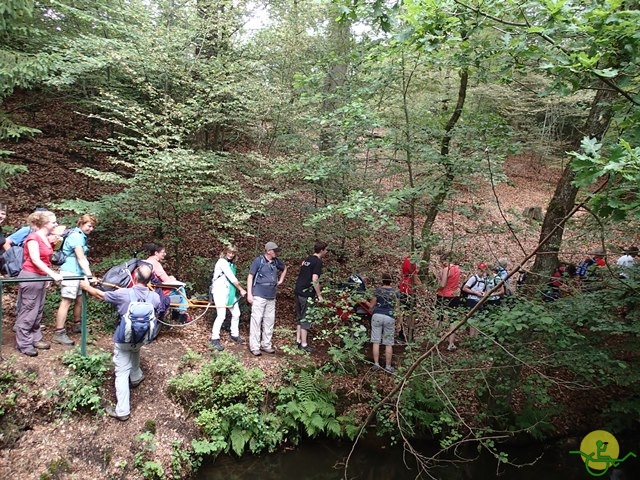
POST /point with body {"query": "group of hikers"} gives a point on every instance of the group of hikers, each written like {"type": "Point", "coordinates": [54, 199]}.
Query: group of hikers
{"type": "Point", "coordinates": [139, 306]}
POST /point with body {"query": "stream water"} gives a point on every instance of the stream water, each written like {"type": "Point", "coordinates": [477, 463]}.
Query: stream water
{"type": "Point", "coordinates": [324, 461]}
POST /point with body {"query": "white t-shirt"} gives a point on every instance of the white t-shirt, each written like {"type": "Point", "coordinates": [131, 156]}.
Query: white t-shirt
{"type": "Point", "coordinates": [625, 261]}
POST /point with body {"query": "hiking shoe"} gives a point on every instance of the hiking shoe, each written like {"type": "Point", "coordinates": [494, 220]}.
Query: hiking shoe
{"type": "Point", "coordinates": [376, 366]}
{"type": "Point", "coordinates": [137, 382]}
{"type": "Point", "coordinates": [256, 353]}
{"type": "Point", "coordinates": [451, 347]}
{"type": "Point", "coordinates": [111, 411]}
{"type": "Point", "coordinates": [216, 345]}
{"type": "Point", "coordinates": [268, 349]}
{"type": "Point", "coordinates": [389, 369]}
{"type": "Point", "coordinates": [184, 318]}
{"type": "Point", "coordinates": [42, 345]}
{"type": "Point", "coordinates": [31, 352]}
{"type": "Point", "coordinates": [62, 338]}
{"type": "Point", "coordinates": [306, 348]}
{"type": "Point", "coordinates": [77, 328]}
{"type": "Point", "coordinates": [239, 340]}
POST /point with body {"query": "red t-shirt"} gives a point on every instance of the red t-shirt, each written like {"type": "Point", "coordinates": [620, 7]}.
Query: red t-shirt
{"type": "Point", "coordinates": [453, 282]}
{"type": "Point", "coordinates": [46, 250]}
{"type": "Point", "coordinates": [408, 271]}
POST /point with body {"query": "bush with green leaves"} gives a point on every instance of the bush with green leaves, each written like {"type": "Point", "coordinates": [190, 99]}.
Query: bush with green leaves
{"type": "Point", "coordinates": [81, 389]}
{"type": "Point", "coordinates": [237, 413]}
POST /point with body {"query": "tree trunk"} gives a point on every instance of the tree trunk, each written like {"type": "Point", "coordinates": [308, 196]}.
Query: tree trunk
{"type": "Point", "coordinates": [564, 196]}
{"type": "Point", "coordinates": [447, 181]}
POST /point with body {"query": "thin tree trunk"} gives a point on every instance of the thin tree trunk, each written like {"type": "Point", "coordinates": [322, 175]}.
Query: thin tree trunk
{"type": "Point", "coordinates": [447, 180]}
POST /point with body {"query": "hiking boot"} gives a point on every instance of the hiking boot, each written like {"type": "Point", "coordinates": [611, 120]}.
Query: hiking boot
{"type": "Point", "coordinates": [31, 352]}
{"type": "Point", "coordinates": [239, 340]}
{"type": "Point", "coordinates": [42, 345]}
{"type": "Point", "coordinates": [268, 349]}
{"type": "Point", "coordinates": [111, 411]}
{"type": "Point", "coordinates": [306, 348]}
{"type": "Point", "coordinates": [184, 318]}
{"type": "Point", "coordinates": [137, 382]}
{"type": "Point", "coordinates": [389, 369]}
{"type": "Point", "coordinates": [216, 345]}
{"type": "Point", "coordinates": [62, 338]}
{"type": "Point", "coordinates": [77, 328]}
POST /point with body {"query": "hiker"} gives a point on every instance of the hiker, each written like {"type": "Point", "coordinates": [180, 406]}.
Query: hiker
{"type": "Point", "coordinates": [307, 289]}
{"type": "Point", "coordinates": [75, 248]}
{"type": "Point", "coordinates": [590, 270]}
{"type": "Point", "coordinates": [224, 290]}
{"type": "Point", "coordinates": [627, 260]}
{"type": "Point", "coordinates": [447, 297]}
{"type": "Point", "coordinates": [37, 263]}
{"type": "Point", "coordinates": [266, 272]}
{"type": "Point", "coordinates": [493, 279]}
{"type": "Point", "coordinates": [408, 281]}
{"type": "Point", "coordinates": [383, 322]}
{"type": "Point", "coordinates": [475, 287]}
{"type": "Point", "coordinates": [178, 294]}
{"type": "Point", "coordinates": [503, 273]}
{"type": "Point", "coordinates": [126, 350]}
{"type": "Point", "coordinates": [18, 237]}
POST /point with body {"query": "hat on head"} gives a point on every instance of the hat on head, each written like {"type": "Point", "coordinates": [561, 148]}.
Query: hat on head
{"type": "Point", "coordinates": [482, 266]}
{"type": "Point", "coordinates": [271, 246]}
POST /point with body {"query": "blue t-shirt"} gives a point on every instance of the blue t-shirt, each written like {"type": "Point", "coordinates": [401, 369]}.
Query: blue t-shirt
{"type": "Point", "coordinates": [18, 237]}
{"type": "Point", "coordinates": [265, 276]}
{"type": "Point", "coordinates": [76, 238]}
{"type": "Point", "coordinates": [386, 299]}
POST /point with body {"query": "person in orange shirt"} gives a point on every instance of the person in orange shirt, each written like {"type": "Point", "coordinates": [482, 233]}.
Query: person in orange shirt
{"type": "Point", "coordinates": [447, 296]}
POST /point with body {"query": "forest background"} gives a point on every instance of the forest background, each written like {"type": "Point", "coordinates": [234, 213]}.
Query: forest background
{"type": "Point", "coordinates": [384, 128]}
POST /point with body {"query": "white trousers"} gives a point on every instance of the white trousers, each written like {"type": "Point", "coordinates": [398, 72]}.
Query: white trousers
{"type": "Point", "coordinates": [263, 318]}
{"type": "Point", "coordinates": [220, 298]}
{"type": "Point", "coordinates": [126, 359]}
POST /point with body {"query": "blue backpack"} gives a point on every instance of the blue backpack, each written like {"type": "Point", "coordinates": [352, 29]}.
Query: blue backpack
{"type": "Point", "coordinates": [140, 322]}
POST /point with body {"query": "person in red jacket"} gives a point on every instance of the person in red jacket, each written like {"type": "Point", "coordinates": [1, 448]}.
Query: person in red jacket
{"type": "Point", "coordinates": [408, 281]}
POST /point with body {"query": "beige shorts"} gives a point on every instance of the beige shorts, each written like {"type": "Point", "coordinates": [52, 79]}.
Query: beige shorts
{"type": "Point", "coordinates": [70, 288]}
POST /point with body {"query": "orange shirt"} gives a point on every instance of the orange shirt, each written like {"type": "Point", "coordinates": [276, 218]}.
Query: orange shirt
{"type": "Point", "coordinates": [453, 282]}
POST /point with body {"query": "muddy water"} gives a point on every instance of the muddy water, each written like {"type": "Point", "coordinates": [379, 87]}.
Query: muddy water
{"type": "Point", "coordinates": [324, 461]}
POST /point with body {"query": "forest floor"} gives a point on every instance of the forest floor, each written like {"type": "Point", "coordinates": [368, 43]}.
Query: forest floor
{"type": "Point", "coordinates": [96, 446]}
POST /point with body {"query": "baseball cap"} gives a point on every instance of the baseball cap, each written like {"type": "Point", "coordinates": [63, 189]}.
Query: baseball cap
{"type": "Point", "coordinates": [482, 266]}
{"type": "Point", "coordinates": [271, 246]}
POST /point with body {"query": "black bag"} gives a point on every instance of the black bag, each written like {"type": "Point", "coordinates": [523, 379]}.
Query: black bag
{"type": "Point", "coordinates": [121, 276]}
{"type": "Point", "coordinates": [59, 257]}
{"type": "Point", "coordinates": [13, 260]}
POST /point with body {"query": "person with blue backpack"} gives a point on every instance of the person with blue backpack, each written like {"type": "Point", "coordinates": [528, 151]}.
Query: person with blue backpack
{"type": "Point", "coordinates": [266, 272]}
{"type": "Point", "coordinates": [74, 247]}
{"type": "Point", "coordinates": [137, 326]}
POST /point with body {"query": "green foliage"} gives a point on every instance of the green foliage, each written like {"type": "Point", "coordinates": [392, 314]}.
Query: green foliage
{"type": "Point", "coordinates": [56, 469]}
{"type": "Point", "coordinates": [236, 413]}
{"type": "Point", "coordinates": [620, 165]}
{"type": "Point", "coordinates": [148, 468]}
{"type": "Point", "coordinates": [81, 389]}
{"type": "Point", "coordinates": [346, 338]}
